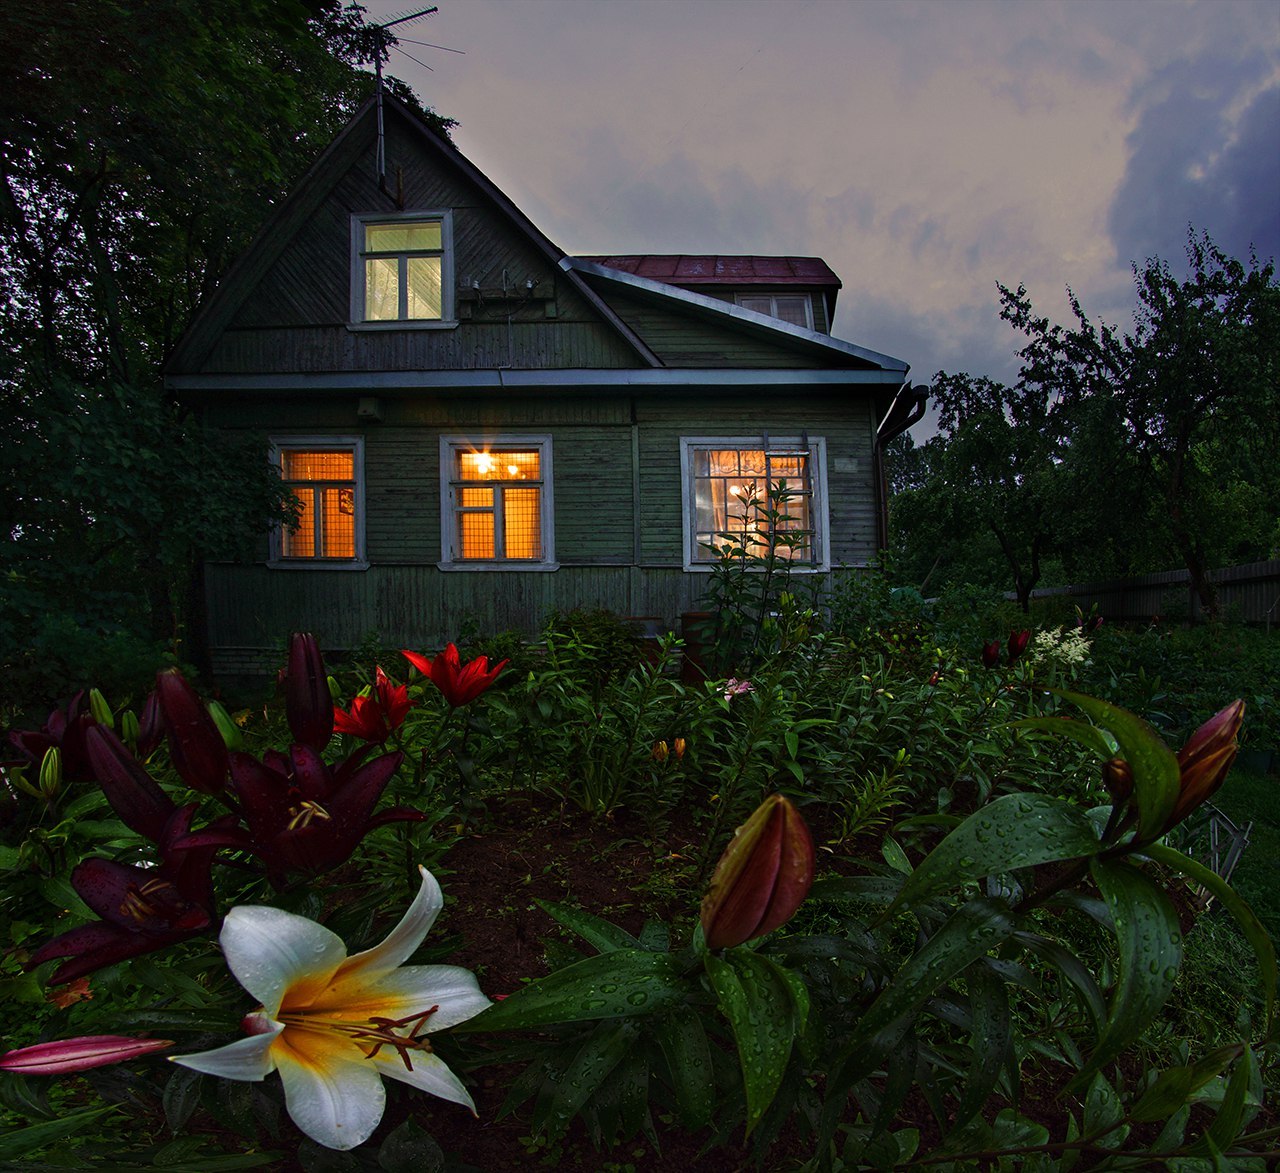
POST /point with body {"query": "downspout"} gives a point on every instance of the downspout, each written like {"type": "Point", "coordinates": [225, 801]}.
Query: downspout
{"type": "Point", "coordinates": [906, 410]}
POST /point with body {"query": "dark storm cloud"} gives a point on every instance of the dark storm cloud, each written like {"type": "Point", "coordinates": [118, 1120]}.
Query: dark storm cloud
{"type": "Point", "coordinates": [1205, 152]}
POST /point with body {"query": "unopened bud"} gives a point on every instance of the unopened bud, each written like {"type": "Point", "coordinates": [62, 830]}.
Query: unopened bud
{"type": "Point", "coordinates": [50, 781]}
{"type": "Point", "coordinates": [100, 709]}
{"type": "Point", "coordinates": [308, 698]}
{"type": "Point", "coordinates": [70, 1055]}
{"type": "Point", "coordinates": [129, 729]}
{"type": "Point", "coordinates": [1117, 777]}
{"type": "Point", "coordinates": [677, 747]}
{"type": "Point", "coordinates": [231, 735]}
{"type": "Point", "coordinates": [660, 751]}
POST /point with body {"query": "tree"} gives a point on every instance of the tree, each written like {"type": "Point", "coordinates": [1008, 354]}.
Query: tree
{"type": "Point", "coordinates": [1181, 416]}
{"type": "Point", "coordinates": [142, 142]}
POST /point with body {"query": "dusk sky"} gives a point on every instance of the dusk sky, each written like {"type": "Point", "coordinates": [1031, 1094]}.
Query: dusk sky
{"type": "Point", "coordinates": [926, 149]}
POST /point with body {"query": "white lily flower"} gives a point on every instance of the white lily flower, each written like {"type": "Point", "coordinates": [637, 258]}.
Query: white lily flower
{"type": "Point", "coordinates": [334, 1025]}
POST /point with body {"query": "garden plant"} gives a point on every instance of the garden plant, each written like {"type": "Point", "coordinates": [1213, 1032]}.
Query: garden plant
{"type": "Point", "coordinates": [910, 899]}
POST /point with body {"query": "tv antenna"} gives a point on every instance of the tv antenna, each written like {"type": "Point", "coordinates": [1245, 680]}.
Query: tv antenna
{"type": "Point", "coordinates": [382, 41]}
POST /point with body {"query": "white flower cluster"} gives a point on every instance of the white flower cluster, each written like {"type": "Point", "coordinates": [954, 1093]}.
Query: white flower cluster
{"type": "Point", "coordinates": [1067, 650]}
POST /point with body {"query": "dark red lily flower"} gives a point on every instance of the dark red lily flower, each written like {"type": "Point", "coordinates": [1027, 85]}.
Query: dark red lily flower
{"type": "Point", "coordinates": [196, 747]}
{"type": "Point", "coordinates": [991, 654]}
{"type": "Point", "coordinates": [1018, 641]}
{"type": "Point", "coordinates": [373, 718]}
{"type": "Point", "coordinates": [134, 795]}
{"type": "Point", "coordinates": [459, 683]}
{"type": "Point", "coordinates": [307, 702]}
{"type": "Point", "coordinates": [305, 816]}
{"type": "Point", "coordinates": [64, 730]}
{"type": "Point", "coordinates": [143, 909]}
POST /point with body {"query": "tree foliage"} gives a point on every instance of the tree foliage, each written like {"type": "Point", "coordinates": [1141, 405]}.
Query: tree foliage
{"type": "Point", "coordinates": [142, 142]}
{"type": "Point", "coordinates": [1115, 453]}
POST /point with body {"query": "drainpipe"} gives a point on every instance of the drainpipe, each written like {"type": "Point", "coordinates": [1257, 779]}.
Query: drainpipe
{"type": "Point", "coordinates": [906, 409]}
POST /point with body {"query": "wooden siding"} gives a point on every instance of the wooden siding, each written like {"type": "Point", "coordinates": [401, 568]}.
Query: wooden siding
{"type": "Point", "coordinates": [681, 340]}
{"type": "Point", "coordinates": [295, 319]}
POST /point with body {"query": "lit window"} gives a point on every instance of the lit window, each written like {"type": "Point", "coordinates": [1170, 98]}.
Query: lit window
{"type": "Point", "coordinates": [324, 477]}
{"type": "Point", "coordinates": [400, 270]}
{"type": "Point", "coordinates": [755, 495]}
{"type": "Point", "coordinates": [496, 500]}
{"type": "Point", "coordinates": [793, 309]}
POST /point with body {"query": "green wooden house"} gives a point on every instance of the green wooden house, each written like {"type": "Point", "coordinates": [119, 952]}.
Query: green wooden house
{"type": "Point", "coordinates": [480, 427]}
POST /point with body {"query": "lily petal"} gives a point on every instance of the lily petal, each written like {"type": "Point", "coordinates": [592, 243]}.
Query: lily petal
{"type": "Point", "coordinates": [430, 1074]}
{"type": "Point", "coordinates": [401, 942]}
{"type": "Point", "coordinates": [247, 1059]}
{"type": "Point", "coordinates": [272, 952]}
{"type": "Point", "coordinates": [333, 1093]}
{"type": "Point", "coordinates": [405, 992]}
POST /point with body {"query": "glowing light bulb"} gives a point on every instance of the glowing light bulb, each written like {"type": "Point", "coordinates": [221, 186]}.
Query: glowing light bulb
{"type": "Point", "coordinates": [513, 470]}
{"type": "Point", "coordinates": [484, 465]}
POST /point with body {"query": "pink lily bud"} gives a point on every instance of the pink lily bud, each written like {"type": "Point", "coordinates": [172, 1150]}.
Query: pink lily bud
{"type": "Point", "coordinates": [1018, 641]}
{"type": "Point", "coordinates": [1205, 760]}
{"type": "Point", "coordinates": [70, 1055]}
{"type": "Point", "coordinates": [150, 726]}
{"type": "Point", "coordinates": [762, 878]}
{"type": "Point", "coordinates": [307, 701]}
{"type": "Point", "coordinates": [196, 747]}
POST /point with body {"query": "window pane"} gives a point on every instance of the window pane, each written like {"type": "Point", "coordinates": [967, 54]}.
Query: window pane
{"type": "Point", "coordinates": [301, 543]}
{"type": "Point", "coordinates": [475, 535]}
{"type": "Point", "coordinates": [761, 305]}
{"type": "Point", "coordinates": [381, 289]}
{"type": "Point", "coordinates": [499, 466]}
{"type": "Point", "coordinates": [475, 498]}
{"type": "Point", "coordinates": [408, 236]}
{"type": "Point", "coordinates": [522, 523]}
{"type": "Point", "coordinates": [791, 309]}
{"type": "Point", "coordinates": [318, 466]}
{"type": "Point", "coordinates": [338, 536]}
{"type": "Point", "coordinates": [424, 287]}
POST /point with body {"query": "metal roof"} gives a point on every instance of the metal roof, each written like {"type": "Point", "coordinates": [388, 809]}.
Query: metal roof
{"type": "Point", "coordinates": [717, 270]}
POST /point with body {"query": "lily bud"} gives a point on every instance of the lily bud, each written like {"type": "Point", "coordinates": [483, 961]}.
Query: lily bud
{"type": "Point", "coordinates": [991, 654]}
{"type": "Point", "coordinates": [1204, 761]}
{"type": "Point", "coordinates": [660, 751]}
{"type": "Point", "coordinates": [129, 729]}
{"type": "Point", "coordinates": [100, 709]}
{"type": "Point", "coordinates": [70, 1055]}
{"type": "Point", "coordinates": [762, 878]}
{"type": "Point", "coordinates": [308, 703]}
{"type": "Point", "coordinates": [195, 745]}
{"type": "Point", "coordinates": [150, 726]}
{"type": "Point", "coordinates": [678, 747]}
{"type": "Point", "coordinates": [50, 781]}
{"type": "Point", "coordinates": [1117, 777]}
{"type": "Point", "coordinates": [232, 738]}
{"type": "Point", "coordinates": [1018, 641]}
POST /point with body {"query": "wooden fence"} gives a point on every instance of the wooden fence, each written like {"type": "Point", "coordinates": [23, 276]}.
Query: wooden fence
{"type": "Point", "coordinates": [1250, 593]}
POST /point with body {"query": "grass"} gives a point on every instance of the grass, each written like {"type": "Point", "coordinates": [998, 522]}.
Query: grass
{"type": "Point", "coordinates": [1250, 797]}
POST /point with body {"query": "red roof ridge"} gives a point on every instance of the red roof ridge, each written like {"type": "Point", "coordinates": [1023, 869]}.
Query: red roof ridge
{"type": "Point", "coordinates": [719, 269]}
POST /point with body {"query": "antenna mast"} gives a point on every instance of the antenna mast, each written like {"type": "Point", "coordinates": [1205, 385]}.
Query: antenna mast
{"type": "Point", "coordinates": [379, 32]}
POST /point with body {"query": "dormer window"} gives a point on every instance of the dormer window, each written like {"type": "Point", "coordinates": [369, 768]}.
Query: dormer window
{"type": "Point", "coordinates": [401, 271]}
{"type": "Point", "coordinates": [794, 309]}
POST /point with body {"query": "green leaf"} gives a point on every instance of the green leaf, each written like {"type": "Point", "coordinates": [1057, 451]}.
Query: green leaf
{"type": "Point", "coordinates": [760, 1010]}
{"type": "Point", "coordinates": [1103, 1114]}
{"type": "Point", "coordinates": [973, 931]}
{"type": "Point", "coordinates": [1016, 831]}
{"type": "Point", "coordinates": [599, 1055]}
{"type": "Point", "coordinates": [684, 1045]}
{"type": "Point", "coordinates": [22, 1142]}
{"type": "Point", "coordinates": [1071, 968]}
{"type": "Point", "coordinates": [792, 739]}
{"type": "Point", "coordinates": [612, 985]}
{"type": "Point", "coordinates": [1090, 736]}
{"type": "Point", "coordinates": [1226, 1125]}
{"type": "Point", "coordinates": [1150, 952]}
{"type": "Point", "coordinates": [180, 1097]}
{"type": "Point", "coordinates": [1174, 1086]}
{"type": "Point", "coordinates": [597, 932]}
{"type": "Point", "coordinates": [1156, 777]}
{"type": "Point", "coordinates": [894, 856]}
{"type": "Point", "coordinates": [1257, 936]}
{"type": "Point", "coordinates": [992, 1035]}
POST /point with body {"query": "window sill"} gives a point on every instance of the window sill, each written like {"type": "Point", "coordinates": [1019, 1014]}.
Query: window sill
{"type": "Point", "coordinates": [403, 324]}
{"type": "Point", "coordinates": [316, 564]}
{"type": "Point", "coordinates": [708, 567]}
{"type": "Point", "coordinates": [500, 567]}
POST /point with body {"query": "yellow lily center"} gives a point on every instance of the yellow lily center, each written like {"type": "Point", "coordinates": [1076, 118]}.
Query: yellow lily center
{"type": "Point", "coordinates": [135, 904]}
{"type": "Point", "coordinates": [403, 1034]}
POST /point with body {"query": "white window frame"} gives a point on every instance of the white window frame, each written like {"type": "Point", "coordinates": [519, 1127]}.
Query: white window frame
{"type": "Point", "coordinates": [696, 559]}
{"type": "Point", "coordinates": [353, 444]}
{"type": "Point", "coordinates": [773, 304]}
{"type": "Point", "coordinates": [449, 542]}
{"type": "Point", "coordinates": [447, 319]}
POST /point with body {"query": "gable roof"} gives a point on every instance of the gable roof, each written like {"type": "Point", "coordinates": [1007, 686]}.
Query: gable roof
{"type": "Point", "coordinates": [273, 238]}
{"type": "Point", "coordinates": [679, 269]}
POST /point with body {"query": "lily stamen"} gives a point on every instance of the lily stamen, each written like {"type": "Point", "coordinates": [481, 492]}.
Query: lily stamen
{"type": "Point", "coordinates": [136, 906]}
{"type": "Point", "coordinates": [303, 814]}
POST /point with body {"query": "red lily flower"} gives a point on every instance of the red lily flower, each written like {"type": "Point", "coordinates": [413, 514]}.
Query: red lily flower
{"type": "Point", "coordinates": [65, 731]}
{"type": "Point", "coordinates": [305, 816]}
{"type": "Point", "coordinates": [307, 702]}
{"type": "Point", "coordinates": [991, 654]}
{"type": "Point", "coordinates": [460, 683]}
{"type": "Point", "coordinates": [1018, 641]}
{"type": "Point", "coordinates": [372, 718]}
{"type": "Point", "coordinates": [196, 747]}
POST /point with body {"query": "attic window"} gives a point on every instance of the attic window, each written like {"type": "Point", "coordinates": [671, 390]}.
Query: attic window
{"type": "Point", "coordinates": [794, 309]}
{"type": "Point", "coordinates": [401, 272]}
